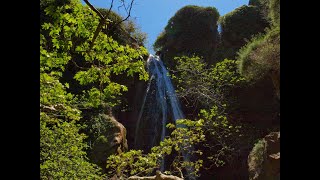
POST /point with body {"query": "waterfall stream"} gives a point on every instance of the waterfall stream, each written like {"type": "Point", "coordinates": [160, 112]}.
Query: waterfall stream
{"type": "Point", "coordinates": [160, 106]}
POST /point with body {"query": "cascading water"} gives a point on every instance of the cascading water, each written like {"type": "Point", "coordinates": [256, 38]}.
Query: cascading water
{"type": "Point", "coordinates": [160, 106]}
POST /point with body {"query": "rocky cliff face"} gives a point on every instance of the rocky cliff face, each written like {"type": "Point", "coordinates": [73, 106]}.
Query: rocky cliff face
{"type": "Point", "coordinates": [264, 159]}
{"type": "Point", "coordinates": [129, 116]}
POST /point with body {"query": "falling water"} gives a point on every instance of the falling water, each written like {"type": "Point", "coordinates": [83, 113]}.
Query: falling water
{"type": "Point", "coordinates": [160, 106]}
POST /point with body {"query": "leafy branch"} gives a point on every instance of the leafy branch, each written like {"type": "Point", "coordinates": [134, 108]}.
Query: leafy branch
{"type": "Point", "coordinates": [103, 20]}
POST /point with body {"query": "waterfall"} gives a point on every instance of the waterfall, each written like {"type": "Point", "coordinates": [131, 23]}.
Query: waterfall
{"type": "Point", "coordinates": [160, 106]}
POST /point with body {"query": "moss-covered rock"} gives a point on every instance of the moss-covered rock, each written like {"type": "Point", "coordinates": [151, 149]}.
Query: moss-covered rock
{"type": "Point", "coordinates": [264, 159]}
{"type": "Point", "coordinates": [111, 140]}
{"type": "Point", "coordinates": [192, 29]}
{"type": "Point", "coordinates": [261, 57]}
{"type": "Point", "coordinates": [239, 26]}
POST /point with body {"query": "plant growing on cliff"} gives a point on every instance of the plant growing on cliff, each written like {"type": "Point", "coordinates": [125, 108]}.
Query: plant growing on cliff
{"type": "Point", "coordinates": [205, 91]}
{"type": "Point", "coordinates": [200, 86]}
{"type": "Point", "coordinates": [222, 137]}
{"type": "Point", "coordinates": [193, 29]}
{"type": "Point", "coordinates": [238, 26]}
{"type": "Point", "coordinates": [256, 158]}
{"type": "Point", "coordinates": [261, 55]}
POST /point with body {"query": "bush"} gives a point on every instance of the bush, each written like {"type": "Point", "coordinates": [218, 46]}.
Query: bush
{"type": "Point", "coordinates": [261, 55]}
{"type": "Point", "coordinates": [270, 9]}
{"type": "Point", "coordinates": [256, 158]}
{"type": "Point", "coordinates": [200, 86]}
{"type": "Point", "coordinates": [239, 26]}
{"type": "Point", "coordinates": [62, 153]}
{"type": "Point", "coordinates": [192, 29]}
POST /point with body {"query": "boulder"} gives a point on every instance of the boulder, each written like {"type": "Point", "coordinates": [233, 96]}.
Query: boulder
{"type": "Point", "coordinates": [111, 141]}
{"type": "Point", "coordinates": [264, 159]}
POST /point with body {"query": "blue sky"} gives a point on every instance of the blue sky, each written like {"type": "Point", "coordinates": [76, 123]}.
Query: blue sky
{"type": "Point", "coordinates": [152, 16]}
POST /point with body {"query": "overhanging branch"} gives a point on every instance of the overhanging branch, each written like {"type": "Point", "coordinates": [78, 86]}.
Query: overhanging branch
{"type": "Point", "coordinates": [128, 13]}
{"type": "Point", "coordinates": [94, 9]}
{"type": "Point", "coordinates": [103, 20]}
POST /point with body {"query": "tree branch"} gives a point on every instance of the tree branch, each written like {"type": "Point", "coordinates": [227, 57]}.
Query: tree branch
{"type": "Point", "coordinates": [78, 65]}
{"type": "Point", "coordinates": [103, 20]}
{"type": "Point", "coordinates": [99, 28]}
{"type": "Point", "coordinates": [100, 25]}
{"type": "Point", "coordinates": [107, 15]}
{"type": "Point", "coordinates": [113, 26]}
{"type": "Point", "coordinates": [94, 9]}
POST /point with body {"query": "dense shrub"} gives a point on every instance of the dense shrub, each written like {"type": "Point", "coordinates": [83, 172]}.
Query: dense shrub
{"type": "Point", "coordinates": [261, 56]}
{"type": "Point", "coordinates": [239, 26]}
{"type": "Point", "coordinates": [192, 29]}
{"type": "Point", "coordinates": [200, 86]}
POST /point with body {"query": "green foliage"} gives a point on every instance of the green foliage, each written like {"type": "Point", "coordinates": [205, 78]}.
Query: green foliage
{"type": "Point", "coordinates": [261, 55]}
{"type": "Point", "coordinates": [239, 26]}
{"type": "Point", "coordinates": [254, 2]}
{"type": "Point", "coordinates": [209, 88]}
{"type": "Point", "coordinates": [63, 44]}
{"type": "Point", "coordinates": [66, 33]}
{"type": "Point", "coordinates": [131, 163]}
{"type": "Point", "coordinates": [184, 136]}
{"type": "Point", "coordinates": [258, 152]}
{"type": "Point", "coordinates": [44, 3]}
{"type": "Point", "coordinates": [192, 29]}
{"type": "Point", "coordinates": [102, 131]}
{"type": "Point", "coordinates": [203, 85]}
{"type": "Point", "coordinates": [257, 157]}
{"type": "Point", "coordinates": [96, 125]}
{"type": "Point", "coordinates": [222, 136]}
{"type": "Point", "coordinates": [55, 102]}
{"type": "Point", "coordinates": [122, 32]}
{"type": "Point", "coordinates": [270, 9]}
{"type": "Point", "coordinates": [62, 148]}
{"type": "Point", "coordinates": [263, 6]}
{"type": "Point", "coordinates": [212, 131]}
{"type": "Point", "coordinates": [274, 13]}
{"type": "Point", "coordinates": [134, 31]}
{"type": "Point", "coordinates": [62, 152]}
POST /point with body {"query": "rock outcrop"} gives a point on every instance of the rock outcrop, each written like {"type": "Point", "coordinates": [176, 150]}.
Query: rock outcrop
{"type": "Point", "coordinates": [264, 159]}
{"type": "Point", "coordinates": [112, 141]}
